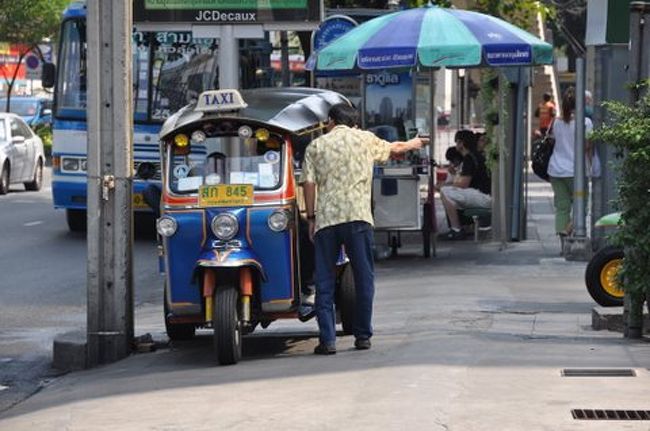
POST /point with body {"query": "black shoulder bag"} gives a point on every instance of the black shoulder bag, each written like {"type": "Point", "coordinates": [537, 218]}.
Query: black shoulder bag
{"type": "Point", "coordinates": [541, 153]}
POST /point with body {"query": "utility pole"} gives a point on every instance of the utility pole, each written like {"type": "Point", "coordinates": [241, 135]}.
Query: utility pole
{"type": "Point", "coordinates": [110, 178]}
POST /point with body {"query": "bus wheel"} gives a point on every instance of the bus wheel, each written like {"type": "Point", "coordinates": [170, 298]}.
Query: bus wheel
{"type": "Point", "coordinates": [227, 325]}
{"type": "Point", "coordinates": [600, 277]}
{"type": "Point", "coordinates": [346, 300]}
{"type": "Point", "coordinates": [76, 220]}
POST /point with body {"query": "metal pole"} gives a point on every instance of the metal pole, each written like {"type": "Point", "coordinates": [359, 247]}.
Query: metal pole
{"type": "Point", "coordinates": [284, 53]}
{"type": "Point", "coordinates": [517, 185]}
{"type": "Point", "coordinates": [110, 165]}
{"type": "Point", "coordinates": [503, 222]}
{"type": "Point", "coordinates": [579, 193]}
{"type": "Point", "coordinates": [639, 35]}
{"type": "Point", "coordinates": [228, 58]}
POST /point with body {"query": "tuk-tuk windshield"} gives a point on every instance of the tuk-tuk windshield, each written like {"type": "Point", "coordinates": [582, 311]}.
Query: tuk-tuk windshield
{"type": "Point", "coordinates": [226, 160]}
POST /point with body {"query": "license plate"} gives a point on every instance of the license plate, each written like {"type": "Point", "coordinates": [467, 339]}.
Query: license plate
{"type": "Point", "coordinates": [226, 195]}
{"type": "Point", "coordinates": [138, 201]}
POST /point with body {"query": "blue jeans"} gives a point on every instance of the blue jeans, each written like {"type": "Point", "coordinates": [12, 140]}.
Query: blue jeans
{"type": "Point", "coordinates": [358, 239]}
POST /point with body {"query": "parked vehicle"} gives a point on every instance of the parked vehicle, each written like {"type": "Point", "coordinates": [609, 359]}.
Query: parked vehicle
{"type": "Point", "coordinates": [602, 269]}
{"type": "Point", "coordinates": [21, 154]}
{"type": "Point", "coordinates": [36, 111]}
{"type": "Point", "coordinates": [233, 234]}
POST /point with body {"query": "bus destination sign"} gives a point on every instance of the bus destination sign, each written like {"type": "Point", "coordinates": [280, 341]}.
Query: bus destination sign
{"type": "Point", "coordinates": [227, 11]}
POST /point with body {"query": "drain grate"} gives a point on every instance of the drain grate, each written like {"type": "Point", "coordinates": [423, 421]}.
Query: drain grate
{"type": "Point", "coordinates": [598, 372]}
{"type": "Point", "coordinates": [611, 415]}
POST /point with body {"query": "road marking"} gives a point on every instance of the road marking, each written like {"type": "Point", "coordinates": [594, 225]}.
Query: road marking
{"type": "Point", "coordinates": [22, 201]}
{"type": "Point", "coordinates": [34, 223]}
{"type": "Point", "coordinates": [2, 388]}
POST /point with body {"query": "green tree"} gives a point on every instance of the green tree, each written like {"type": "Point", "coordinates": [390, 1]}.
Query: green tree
{"type": "Point", "coordinates": [25, 24]}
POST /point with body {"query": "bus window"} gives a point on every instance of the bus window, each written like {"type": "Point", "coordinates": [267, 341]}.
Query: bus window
{"type": "Point", "coordinates": [72, 73]}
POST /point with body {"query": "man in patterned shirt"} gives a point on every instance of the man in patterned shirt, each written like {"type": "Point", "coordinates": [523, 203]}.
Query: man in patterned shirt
{"type": "Point", "coordinates": [340, 164]}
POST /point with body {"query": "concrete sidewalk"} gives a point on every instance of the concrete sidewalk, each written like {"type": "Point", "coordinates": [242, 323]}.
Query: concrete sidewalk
{"type": "Point", "coordinates": [475, 339]}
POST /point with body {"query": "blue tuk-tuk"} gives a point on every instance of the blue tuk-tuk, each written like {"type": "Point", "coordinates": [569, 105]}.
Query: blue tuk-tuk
{"type": "Point", "coordinates": [234, 248]}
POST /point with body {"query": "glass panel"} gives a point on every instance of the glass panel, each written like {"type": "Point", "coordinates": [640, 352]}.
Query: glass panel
{"type": "Point", "coordinates": [72, 68]}
{"type": "Point", "coordinates": [3, 131]}
{"type": "Point", "coordinates": [389, 108]}
{"type": "Point", "coordinates": [24, 108]}
{"type": "Point", "coordinates": [170, 70]}
{"type": "Point", "coordinates": [227, 160]}
{"type": "Point", "coordinates": [182, 67]}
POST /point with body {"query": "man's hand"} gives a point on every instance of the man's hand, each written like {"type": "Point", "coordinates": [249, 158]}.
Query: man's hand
{"type": "Point", "coordinates": [312, 229]}
{"type": "Point", "coordinates": [420, 141]}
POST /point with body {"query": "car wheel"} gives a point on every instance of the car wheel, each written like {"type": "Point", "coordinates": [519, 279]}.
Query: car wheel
{"type": "Point", "coordinates": [37, 181]}
{"type": "Point", "coordinates": [4, 179]}
{"type": "Point", "coordinates": [600, 277]}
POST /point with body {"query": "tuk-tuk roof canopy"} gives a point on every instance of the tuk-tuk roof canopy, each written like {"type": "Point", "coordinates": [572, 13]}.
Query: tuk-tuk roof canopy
{"type": "Point", "coordinates": [290, 109]}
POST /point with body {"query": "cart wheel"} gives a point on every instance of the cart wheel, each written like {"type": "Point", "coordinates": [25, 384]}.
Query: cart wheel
{"type": "Point", "coordinates": [426, 231]}
{"type": "Point", "coordinates": [394, 245]}
{"type": "Point", "coordinates": [227, 326]}
{"type": "Point", "coordinates": [177, 331]}
{"type": "Point", "coordinates": [346, 300]}
{"type": "Point", "coordinates": [600, 277]}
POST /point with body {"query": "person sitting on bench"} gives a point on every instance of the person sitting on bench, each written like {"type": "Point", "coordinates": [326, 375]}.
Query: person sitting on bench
{"type": "Point", "coordinates": [470, 189]}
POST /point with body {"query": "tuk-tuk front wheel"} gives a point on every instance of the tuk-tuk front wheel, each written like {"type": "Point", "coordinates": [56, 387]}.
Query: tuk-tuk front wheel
{"type": "Point", "coordinates": [600, 277]}
{"type": "Point", "coordinates": [346, 300]}
{"type": "Point", "coordinates": [227, 325]}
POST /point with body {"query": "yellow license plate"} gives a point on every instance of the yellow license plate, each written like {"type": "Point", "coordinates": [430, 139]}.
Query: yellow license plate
{"type": "Point", "coordinates": [226, 195]}
{"type": "Point", "coordinates": [138, 201]}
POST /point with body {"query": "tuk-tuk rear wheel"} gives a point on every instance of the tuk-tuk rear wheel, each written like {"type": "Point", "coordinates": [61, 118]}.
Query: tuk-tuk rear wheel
{"type": "Point", "coordinates": [177, 331]}
{"type": "Point", "coordinates": [227, 325]}
{"type": "Point", "coordinates": [346, 300]}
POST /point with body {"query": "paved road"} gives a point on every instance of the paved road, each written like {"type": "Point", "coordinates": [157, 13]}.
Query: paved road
{"type": "Point", "coordinates": [474, 339]}
{"type": "Point", "coordinates": [42, 286]}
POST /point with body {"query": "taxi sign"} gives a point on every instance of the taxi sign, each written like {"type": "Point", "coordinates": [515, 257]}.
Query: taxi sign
{"type": "Point", "coordinates": [226, 195]}
{"type": "Point", "coordinates": [220, 100]}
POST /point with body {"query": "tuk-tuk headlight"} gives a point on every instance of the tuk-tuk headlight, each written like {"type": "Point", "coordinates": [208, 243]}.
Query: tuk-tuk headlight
{"type": "Point", "coordinates": [166, 226]}
{"type": "Point", "coordinates": [279, 220]}
{"type": "Point", "coordinates": [225, 226]}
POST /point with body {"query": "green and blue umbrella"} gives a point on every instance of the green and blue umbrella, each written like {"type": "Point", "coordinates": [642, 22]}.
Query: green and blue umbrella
{"type": "Point", "coordinates": [432, 37]}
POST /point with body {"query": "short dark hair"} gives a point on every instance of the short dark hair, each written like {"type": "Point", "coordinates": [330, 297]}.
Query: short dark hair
{"type": "Point", "coordinates": [344, 114]}
{"type": "Point", "coordinates": [453, 156]}
{"type": "Point", "coordinates": [547, 97]}
{"type": "Point", "coordinates": [468, 138]}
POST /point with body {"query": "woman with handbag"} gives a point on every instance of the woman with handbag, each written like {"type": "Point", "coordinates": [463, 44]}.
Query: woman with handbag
{"type": "Point", "coordinates": [561, 164]}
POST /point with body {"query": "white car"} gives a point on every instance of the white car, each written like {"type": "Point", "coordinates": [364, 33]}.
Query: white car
{"type": "Point", "coordinates": [21, 154]}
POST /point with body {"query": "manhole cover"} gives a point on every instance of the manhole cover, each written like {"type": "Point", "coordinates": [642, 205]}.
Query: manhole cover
{"type": "Point", "coordinates": [598, 372]}
{"type": "Point", "coordinates": [610, 415]}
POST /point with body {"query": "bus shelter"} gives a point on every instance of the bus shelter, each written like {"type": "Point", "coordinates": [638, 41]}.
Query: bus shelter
{"type": "Point", "coordinates": [415, 43]}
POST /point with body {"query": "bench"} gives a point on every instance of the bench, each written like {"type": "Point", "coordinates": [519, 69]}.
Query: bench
{"type": "Point", "coordinates": [479, 218]}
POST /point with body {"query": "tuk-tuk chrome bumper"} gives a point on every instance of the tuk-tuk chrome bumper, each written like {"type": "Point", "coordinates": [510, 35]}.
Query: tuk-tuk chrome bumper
{"type": "Point", "coordinates": [230, 258]}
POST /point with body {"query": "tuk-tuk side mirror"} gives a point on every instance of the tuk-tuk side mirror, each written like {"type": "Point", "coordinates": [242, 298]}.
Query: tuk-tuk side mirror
{"type": "Point", "coordinates": [48, 76]}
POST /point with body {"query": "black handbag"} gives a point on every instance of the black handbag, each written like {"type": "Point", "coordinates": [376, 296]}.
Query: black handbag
{"type": "Point", "coordinates": [541, 154]}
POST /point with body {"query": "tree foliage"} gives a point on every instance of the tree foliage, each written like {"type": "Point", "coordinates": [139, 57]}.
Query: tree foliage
{"type": "Point", "coordinates": [25, 24]}
{"type": "Point", "coordinates": [629, 134]}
